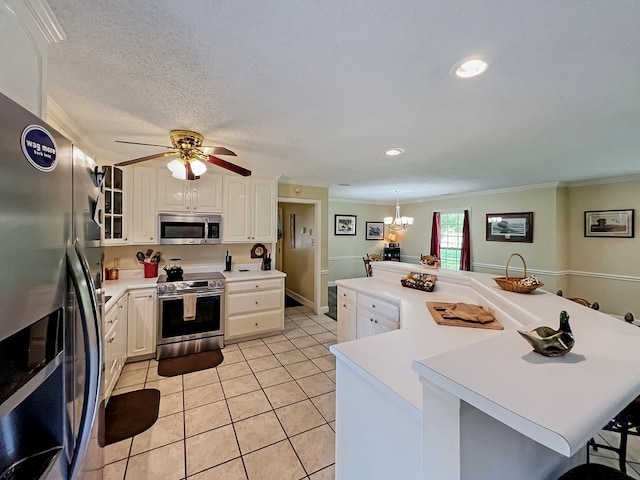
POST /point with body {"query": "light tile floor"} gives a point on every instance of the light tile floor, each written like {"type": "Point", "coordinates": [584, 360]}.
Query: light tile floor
{"type": "Point", "coordinates": [267, 412]}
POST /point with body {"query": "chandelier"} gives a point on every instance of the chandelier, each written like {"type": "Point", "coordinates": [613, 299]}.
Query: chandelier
{"type": "Point", "coordinates": [398, 223]}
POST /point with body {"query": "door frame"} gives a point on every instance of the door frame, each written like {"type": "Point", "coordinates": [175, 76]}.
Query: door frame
{"type": "Point", "coordinates": [317, 274]}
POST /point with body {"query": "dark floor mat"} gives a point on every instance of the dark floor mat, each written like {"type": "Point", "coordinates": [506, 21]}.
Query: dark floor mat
{"type": "Point", "coordinates": [291, 302]}
{"type": "Point", "coordinates": [130, 414]}
{"type": "Point", "coordinates": [170, 367]}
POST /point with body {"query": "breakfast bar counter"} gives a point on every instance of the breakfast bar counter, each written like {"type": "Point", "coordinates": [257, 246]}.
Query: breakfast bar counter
{"type": "Point", "coordinates": [428, 401]}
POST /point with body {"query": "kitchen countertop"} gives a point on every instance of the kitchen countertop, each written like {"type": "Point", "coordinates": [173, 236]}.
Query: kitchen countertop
{"type": "Point", "coordinates": [134, 280]}
{"type": "Point", "coordinates": [495, 371]}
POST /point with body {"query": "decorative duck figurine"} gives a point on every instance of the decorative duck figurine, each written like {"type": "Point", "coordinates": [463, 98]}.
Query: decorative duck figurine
{"type": "Point", "coordinates": [550, 342]}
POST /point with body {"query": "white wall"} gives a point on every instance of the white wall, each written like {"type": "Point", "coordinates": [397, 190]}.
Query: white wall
{"type": "Point", "coordinates": [346, 251]}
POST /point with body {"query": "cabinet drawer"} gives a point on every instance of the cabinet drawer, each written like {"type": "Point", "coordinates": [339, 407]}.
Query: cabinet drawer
{"type": "Point", "coordinates": [346, 294]}
{"type": "Point", "coordinates": [382, 308]}
{"type": "Point", "coordinates": [254, 301]}
{"type": "Point", "coordinates": [252, 286]}
{"type": "Point", "coordinates": [253, 324]}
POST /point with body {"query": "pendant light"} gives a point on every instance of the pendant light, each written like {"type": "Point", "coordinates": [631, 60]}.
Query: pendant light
{"type": "Point", "coordinates": [398, 223]}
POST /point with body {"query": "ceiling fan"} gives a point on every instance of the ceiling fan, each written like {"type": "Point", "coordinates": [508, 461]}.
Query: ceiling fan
{"type": "Point", "coordinates": [187, 145]}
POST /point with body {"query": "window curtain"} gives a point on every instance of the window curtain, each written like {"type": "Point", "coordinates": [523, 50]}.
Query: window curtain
{"type": "Point", "coordinates": [465, 254]}
{"type": "Point", "coordinates": [435, 235]}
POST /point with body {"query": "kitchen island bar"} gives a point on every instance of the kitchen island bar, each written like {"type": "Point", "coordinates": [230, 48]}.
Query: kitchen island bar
{"type": "Point", "coordinates": [439, 402]}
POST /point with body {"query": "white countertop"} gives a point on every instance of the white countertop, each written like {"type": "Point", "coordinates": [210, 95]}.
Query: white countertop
{"type": "Point", "coordinates": [135, 280]}
{"type": "Point", "coordinates": [558, 402]}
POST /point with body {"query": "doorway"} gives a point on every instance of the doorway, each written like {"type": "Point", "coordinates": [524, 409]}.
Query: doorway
{"type": "Point", "coordinates": [298, 249]}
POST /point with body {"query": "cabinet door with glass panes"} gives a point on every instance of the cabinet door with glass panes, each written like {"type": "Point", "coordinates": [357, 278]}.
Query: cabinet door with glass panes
{"type": "Point", "coordinates": [115, 209]}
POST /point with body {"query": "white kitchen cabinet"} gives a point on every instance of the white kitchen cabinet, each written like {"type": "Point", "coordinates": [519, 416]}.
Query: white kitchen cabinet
{"type": "Point", "coordinates": [375, 315]}
{"type": "Point", "coordinates": [145, 215]}
{"type": "Point", "coordinates": [24, 41]}
{"type": "Point", "coordinates": [361, 315]}
{"type": "Point", "coordinates": [189, 196]}
{"type": "Point", "coordinates": [249, 209]}
{"type": "Point", "coordinates": [346, 299]}
{"type": "Point", "coordinates": [115, 343]}
{"type": "Point", "coordinates": [115, 210]}
{"type": "Point", "coordinates": [141, 338]}
{"type": "Point", "coordinates": [254, 307]}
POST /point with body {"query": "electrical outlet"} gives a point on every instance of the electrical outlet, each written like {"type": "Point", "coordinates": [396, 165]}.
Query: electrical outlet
{"type": "Point", "coordinates": [116, 263]}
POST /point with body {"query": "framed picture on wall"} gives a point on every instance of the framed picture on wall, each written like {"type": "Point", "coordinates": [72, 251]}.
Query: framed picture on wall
{"type": "Point", "coordinates": [345, 224]}
{"type": "Point", "coordinates": [510, 227]}
{"type": "Point", "coordinates": [375, 231]}
{"type": "Point", "coordinates": [609, 223]}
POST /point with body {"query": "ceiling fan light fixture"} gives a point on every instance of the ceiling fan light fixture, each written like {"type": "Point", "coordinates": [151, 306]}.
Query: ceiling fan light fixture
{"type": "Point", "coordinates": [198, 168]}
{"type": "Point", "coordinates": [178, 169]}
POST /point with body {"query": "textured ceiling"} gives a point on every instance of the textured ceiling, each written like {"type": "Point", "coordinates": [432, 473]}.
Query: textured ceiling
{"type": "Point", "coordinates": [315, 91]}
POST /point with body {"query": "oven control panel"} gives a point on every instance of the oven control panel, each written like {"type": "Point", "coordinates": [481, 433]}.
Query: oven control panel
{"type": "Point", "coordinates": [190, 287]}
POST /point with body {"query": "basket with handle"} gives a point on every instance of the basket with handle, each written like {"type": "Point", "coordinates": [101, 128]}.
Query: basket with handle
{"type": "Point", "coordinates": [512, 284]}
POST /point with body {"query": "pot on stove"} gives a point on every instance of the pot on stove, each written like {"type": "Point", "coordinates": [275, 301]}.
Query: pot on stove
{"type": "Point", "coordinates": [173, 269]}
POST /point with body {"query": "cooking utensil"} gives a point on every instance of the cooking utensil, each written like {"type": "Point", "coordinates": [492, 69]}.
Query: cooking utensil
{"type": "Point", "coordinates": [174, 270]}
{"type": "Point", "coordinates": [140, 256]}
{"type": "Point", "coordinates": [149, 252]}
{"type": "Point", "coordinates": [156, 258]}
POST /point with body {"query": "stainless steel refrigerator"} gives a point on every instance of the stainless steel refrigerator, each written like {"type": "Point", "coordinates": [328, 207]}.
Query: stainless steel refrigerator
{"type": "Point", "coordinates": [51, 304]}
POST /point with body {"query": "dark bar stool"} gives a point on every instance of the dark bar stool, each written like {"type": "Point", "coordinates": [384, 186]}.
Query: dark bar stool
{"type": "Point", "coordinates": [593, 471]}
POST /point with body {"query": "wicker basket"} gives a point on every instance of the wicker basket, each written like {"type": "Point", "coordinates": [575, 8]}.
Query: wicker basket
{"type": "Point", "coordinates": [511, 284]}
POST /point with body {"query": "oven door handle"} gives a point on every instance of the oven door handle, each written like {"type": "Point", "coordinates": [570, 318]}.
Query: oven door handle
{"type": "Point", "coordinates": [179, 296]}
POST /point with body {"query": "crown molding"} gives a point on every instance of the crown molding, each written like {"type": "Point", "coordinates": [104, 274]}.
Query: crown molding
{"type": "Point", "coordinates": [46, 20]}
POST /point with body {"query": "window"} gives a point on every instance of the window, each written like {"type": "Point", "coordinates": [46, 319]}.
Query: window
{"type": "Point", "coordinates": [451, 239]}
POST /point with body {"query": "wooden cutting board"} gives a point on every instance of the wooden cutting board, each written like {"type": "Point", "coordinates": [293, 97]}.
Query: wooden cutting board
{"type": "Point", "coordinates": [441, 310]}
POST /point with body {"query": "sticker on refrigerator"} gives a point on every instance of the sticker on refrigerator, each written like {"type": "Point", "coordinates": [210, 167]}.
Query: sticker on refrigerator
{"type": "Point", "coordinates": [39, 148]}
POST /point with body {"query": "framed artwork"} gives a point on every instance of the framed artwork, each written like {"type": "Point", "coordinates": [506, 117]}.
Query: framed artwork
{"type": "Point", "coordinates": [345, 224]}
{"type": "Point", "coordinates": [609, 223]}
{"type": "Point", "coordinates": [510, 227]}
{"type": "Point", "coordinates": [375, 231]}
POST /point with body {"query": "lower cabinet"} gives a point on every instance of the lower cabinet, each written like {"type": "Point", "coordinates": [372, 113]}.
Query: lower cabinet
{"type": "Point", "coordinates": [254, 307]}
{"type": "Point", "coordinates": [361, 315]}
{"type": "Point", "coordinates": [115, 343]}
{"type": "Point", "coordinates": [346, 299]}
{"type": "Point", "coordinates": [141, 322]}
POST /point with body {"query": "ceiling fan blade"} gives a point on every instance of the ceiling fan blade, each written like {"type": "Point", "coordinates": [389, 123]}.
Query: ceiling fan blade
{"type": "Point", "coordinates": [148, 144]}
{"type": "Point", "coordinates": [229, 166]}
{"type": "Point", "coordinates": [220, 150]}
{"type": "Point", "coordinates": [144, 159]}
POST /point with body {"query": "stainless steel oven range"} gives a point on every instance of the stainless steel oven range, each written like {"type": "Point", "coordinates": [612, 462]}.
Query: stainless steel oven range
{"type": "Point", "coordinates": [190, 314]}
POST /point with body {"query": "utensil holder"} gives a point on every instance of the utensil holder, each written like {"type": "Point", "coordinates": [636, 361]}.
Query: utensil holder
{"type": "Point", "coordinates": [150, 270]}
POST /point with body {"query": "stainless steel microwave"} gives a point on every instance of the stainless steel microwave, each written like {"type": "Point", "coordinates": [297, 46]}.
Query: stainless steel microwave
{"type": "Point", "coordinates": [189, 229]}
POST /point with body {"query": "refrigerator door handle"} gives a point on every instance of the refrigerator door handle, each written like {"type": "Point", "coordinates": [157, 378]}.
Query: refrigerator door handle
{"type": "Point", "coordinates": [88, 307]}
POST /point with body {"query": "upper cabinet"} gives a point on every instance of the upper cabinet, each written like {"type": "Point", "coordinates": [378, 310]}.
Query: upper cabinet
{"type": "Point", "coordinates": [249, 210]}
{"type": "Point", "coordinates": [189, 196]}
{"type": "Point", "coordinates": [116, 223]}
{"type": "Point", "coordinates": [144, 220]}
{"type": "Point", "coordinates": [24, 35]}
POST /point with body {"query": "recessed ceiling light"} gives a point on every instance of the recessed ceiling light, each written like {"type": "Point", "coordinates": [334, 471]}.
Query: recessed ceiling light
{"type": "Point", "coordinates": [394, 151]}
{"type": "Point", "coordinates": [469, 67]}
